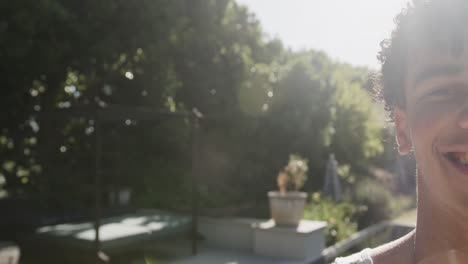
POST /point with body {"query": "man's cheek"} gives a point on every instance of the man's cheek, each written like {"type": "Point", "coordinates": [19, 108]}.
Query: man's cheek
{"type": "Point", "coordinates": [426, 118]}
{"type": "Point", "coordinates": [426, 123]}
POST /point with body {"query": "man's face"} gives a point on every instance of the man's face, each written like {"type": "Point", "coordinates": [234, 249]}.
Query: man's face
{"type": "Point", "coordinates": [434, 124]}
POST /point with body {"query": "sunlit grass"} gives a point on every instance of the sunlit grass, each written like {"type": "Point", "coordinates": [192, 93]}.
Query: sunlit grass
{"type": "Point", "coordinates": [407, 218]}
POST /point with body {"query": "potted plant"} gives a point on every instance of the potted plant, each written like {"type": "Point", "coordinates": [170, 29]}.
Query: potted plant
{"type": "Point", "coordinates": [287, 204]}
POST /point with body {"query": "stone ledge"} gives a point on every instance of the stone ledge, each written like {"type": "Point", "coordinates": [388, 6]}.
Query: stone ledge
{"type": "Point", "coordinates": [304, 242]}
{"type": "Point", "coordinates": [261, 237]}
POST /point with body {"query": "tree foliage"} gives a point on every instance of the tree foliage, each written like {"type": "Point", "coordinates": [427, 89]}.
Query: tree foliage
{"type": "Point", "coordinates": [172, 56]}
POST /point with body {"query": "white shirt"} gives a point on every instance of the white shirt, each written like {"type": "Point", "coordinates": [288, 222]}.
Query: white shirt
{"type": "Point", "coordinates": [362, 257]}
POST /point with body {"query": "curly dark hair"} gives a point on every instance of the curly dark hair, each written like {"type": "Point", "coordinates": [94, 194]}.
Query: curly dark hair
{"type": "Point", "coordinates": [440, 23]}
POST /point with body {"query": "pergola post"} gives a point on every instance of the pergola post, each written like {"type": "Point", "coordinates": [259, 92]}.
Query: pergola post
{"type": "Point", "coordinates": [97, 181]}
{"type": "Point", "coordinates": [194, 130]}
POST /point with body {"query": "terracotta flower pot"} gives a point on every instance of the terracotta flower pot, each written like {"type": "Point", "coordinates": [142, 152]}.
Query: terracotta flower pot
{"type": "Point", "coordinates": [287, 208]}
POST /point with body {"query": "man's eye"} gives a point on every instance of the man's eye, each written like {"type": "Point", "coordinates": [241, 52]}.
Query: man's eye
{"type": "Point", "coordinates": [442, 92]}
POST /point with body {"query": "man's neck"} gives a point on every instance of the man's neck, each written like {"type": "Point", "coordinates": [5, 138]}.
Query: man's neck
{"type": "Point", "coordinates": [440, 232]}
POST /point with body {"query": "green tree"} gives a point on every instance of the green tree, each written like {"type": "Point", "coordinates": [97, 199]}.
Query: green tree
{"type": "Point", "coordinates": [357, 122]}
{"type": "Point", "coordinates": [171, 56]}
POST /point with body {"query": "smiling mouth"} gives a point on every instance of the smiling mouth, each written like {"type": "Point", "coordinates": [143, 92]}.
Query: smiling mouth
{"type": "Point", "coordinates": [459, 160]}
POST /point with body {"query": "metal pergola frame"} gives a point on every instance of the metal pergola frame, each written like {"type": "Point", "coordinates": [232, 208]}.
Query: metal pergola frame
{"type": "Point", "coordinates": [118, 113]}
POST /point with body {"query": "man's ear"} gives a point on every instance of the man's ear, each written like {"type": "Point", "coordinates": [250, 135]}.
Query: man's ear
{"type": "Point", "coordinates": [402, 132]}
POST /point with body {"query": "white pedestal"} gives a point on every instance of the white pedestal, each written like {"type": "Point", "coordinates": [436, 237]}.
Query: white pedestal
{"type": "Point", "coordinates": [305, 242]}
{"type": "Point", "coordinates": [231, 233]}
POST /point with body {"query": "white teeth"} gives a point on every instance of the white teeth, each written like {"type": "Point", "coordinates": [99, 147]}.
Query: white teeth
{"type": "Point", "coordinates": [464, 159]}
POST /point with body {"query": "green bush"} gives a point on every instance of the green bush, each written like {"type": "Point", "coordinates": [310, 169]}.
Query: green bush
{"type": "Point", "coordinates": [380, 203]}
{"type": "Point", "coordinates": [340, 217]}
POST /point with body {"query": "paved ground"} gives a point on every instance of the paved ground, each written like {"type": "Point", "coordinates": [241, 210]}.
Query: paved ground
{"type": "Point", "coordinates": [178, 252]}
{"type": "Point", "coordinates": [208, 255]}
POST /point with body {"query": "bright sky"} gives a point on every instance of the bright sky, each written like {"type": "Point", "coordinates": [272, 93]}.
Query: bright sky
{"type": "Point", "coordinates": [347, 30]}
